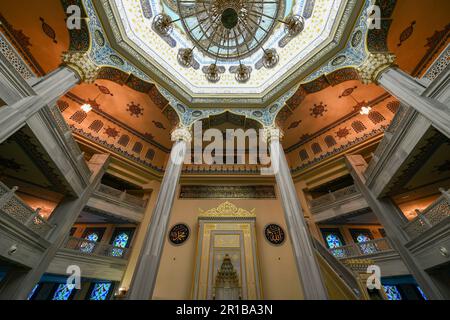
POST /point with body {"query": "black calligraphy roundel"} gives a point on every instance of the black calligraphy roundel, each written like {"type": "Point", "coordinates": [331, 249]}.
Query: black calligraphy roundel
{"type": "Point", "coordinates": [179, 234]}
{"type": "Point", "coordinates": [275, 234]}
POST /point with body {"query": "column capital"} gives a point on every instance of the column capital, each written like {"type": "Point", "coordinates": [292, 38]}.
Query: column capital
{"type": "Point", "coordinates": [374, 65]}
{"type": "Point", "coordinates": [182, 133]}
{"type": "Point", "coordinates": [81, 64]}
{"type": "Point", "coordinates": [271, 133]}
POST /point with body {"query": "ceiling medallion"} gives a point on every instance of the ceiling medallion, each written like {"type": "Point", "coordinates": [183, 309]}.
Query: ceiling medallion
{"type": "Point", "coordinates": [229, 30]}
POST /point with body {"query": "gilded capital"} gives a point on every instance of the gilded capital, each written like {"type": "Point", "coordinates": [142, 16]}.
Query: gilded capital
{"type": "Point", "coordinates": [272, 133]}
{"type": "Point", "coordinates": [374, 65]}
{"type": "Point", "coordinates": [80, 63]}
{"type": "Point", "coordinates": [182, 133]}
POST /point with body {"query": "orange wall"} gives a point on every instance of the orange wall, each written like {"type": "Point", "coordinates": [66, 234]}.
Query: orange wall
{"type": "Point", "coordinates": [277, 267]}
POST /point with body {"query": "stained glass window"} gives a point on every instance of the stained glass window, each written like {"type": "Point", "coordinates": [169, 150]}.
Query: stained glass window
{"type": "Point", "coordinates": [32, 293]}
{"type": "Point", "coordinates": [100, 291]}
{"type": "Point", "coordinates": [366, 248]}
{"type": "Point", "coordinates": [392, 293]}
{"type": "Point", "coordinates": [422, 293]}
{"type": "Point", "coordinates": [120, 241]}
{"type": "Point", "coordinates": [334, 242]}
{"type": "Point", "coordinates": [88, 247]}
{"type": "Point", "coordinates": [63, 292]}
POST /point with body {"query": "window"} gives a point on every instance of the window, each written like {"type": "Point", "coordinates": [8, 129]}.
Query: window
{"type": "Point", "coordinates": [316, 148]}
{"type": "Point", "coordinates": [124, 140]}
{"type": "Point", "coordinates": [138, 147]}
{"type": "Point", "coordinates": [63, 292]}
{"type": "Point", "coordinates": [121, 241]}
{"type": "Point", "coordinates": [150, 154]}
{"type": "Point", "coordinates": [333, 239]}
{"type": "Point", "coordinates": [376, 117]}
{"type": "Point", "coordinates": [100, 291]}
{"type": "Point", "coordinates": [392, 292]}
{"type": "Point", "coordinates": [33, 292]}
{"type": "Point", "coordinates": [330, 141]}
{"type": "Point", "coordinates": [303, 155]}
{"type": "Point", "coordinates": [358, 126]}
{"type": "Point", "coordinates": [79, 116]}
{"type": "Point", "coordinates": [421, 293]}
{"type": "Point", "coordinates": [363, 238]}
{"type": "Point", "coordinates": [92, 236]}
{"type": "Point", "coordinates": [96, 126]}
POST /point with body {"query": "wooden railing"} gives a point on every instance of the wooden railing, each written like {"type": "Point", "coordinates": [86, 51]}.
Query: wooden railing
{"type": "Point", "coordinates": [436, 213]}
{"type": "Point", "coordinates": [122, 196]}
{"type": "Point", "coordinates": [334, 196]}
{"type": "Point", "coordinates": [87, 247]}
{"type": "Point", "coordinates": [14, 207]}
{"type": "Point", "coordinates": [355, 250]}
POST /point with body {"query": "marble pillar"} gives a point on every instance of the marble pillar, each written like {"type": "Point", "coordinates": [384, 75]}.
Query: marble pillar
{"type": "Point", "coordinates": [380, 69]}
{"type": "Point", "coordinates": [24, 100]}
{"type": "Point", "coordinates": [146, 272]}
{"type": "Point", "coordinates": [302, 243]}
{"type": "Point", "coordinates": [392, 220]}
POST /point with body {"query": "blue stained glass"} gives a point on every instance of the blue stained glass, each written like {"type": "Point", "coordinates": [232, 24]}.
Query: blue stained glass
{"type": "Point", "coordinates": [422, 293]}
{"type": "Point", "coordinates": [366, 248]}
{"type": "Point", "coordinates": [88, 247]}
{"type": "Point", "coordinates": [63, 292]}
{"type": "Point", "coordinates": [392, 293]}
{"type": "Point", "coordinates": [30, 296]}
{"type": "Point", "coordinates": [120, 241]}
{"type": "Point", "coordinates": [100, 291]}
{"type": "Point", "coordinates": [334, 242]}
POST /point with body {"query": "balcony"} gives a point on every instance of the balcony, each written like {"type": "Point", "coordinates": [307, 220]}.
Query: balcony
{"type": "Point", "coordinates": [21, 228]}
{"type": "Point", "coordinates": [359, 250]}
{"type": "Point", "coordinates": [435, 214]}
{"type": "Point", "coordinates": [96, 260]}
{"type": "Point", "coordinates": [118, 204]}
{"type": "Point", "coordinates": [429, 233]}
{"type": "Point", "coordinates": [338, 203]}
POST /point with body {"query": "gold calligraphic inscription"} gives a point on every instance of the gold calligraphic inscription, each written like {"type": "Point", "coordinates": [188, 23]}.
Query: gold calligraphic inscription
{"type": "Point", "coordinates": [275, 234]}
{"type": "Point", "coordinates": [227, 241]}
{"type": "Point", "coordinates": [179, 234]}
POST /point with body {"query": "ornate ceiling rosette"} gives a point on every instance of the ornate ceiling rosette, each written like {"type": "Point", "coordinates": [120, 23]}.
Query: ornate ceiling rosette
{"type": "Point", "coordinates": [229, 29]}
{"type": "Point", "coordinates": [306, 40]}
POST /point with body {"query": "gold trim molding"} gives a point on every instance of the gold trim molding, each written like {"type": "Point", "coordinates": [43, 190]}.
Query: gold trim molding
{"type": "Point", "coordinates": [227, 210]}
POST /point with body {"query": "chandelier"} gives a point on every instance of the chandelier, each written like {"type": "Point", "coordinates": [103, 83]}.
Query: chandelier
{"type": "Point", "coordinates": [229, 30]}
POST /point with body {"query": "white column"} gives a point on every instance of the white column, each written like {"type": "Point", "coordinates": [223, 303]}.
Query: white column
{"type": "Point", "coordinates": [304, 251]}
{"type": "Point", "coordinates": [146, 272]}
{"type": "Point", "coordinates": [44, 92]}
{"type": "Point", "coordinates": [379, 68]}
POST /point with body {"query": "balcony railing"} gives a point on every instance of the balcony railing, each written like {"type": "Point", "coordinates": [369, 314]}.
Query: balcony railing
{"type": "Point", "coordinates": [14, 207]}
{"type": "Point", "coordinates": [355, 250]}
{"type": "Point", "coordinates": [122, 196]}
{"type": "Point", "coordinates": [334, 196]}
{"type": "Point", "coordinates": [93, 248]}
{"type": "Point", "coordinates": [436, 213]}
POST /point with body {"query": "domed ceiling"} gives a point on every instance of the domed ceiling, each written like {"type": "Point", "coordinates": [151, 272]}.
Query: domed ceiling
{"type": "Point", "coordinates": [229, 34]}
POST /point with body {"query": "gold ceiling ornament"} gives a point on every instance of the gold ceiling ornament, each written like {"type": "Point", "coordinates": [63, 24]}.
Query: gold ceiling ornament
{"type": "Point", "coordinates": [375, 64]}
{"type": "Point", "coordinates": [182, 133]}
{"type": "Point", "coordinates": [227, 210]}
{"type": "Point", "coordinates": [272, 133]}
{"type": "Point", "coordinates": [82, 65]}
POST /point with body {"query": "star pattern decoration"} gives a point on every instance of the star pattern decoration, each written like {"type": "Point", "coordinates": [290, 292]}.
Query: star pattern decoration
{"type": "Point", "coordinates": [318, 110]}
{"type": "Point", "coordinates": [111, 132]}
{"type": "Point", "coordinates": [343, 133]}
{"type": "Point", "coordinates": [135, 109]}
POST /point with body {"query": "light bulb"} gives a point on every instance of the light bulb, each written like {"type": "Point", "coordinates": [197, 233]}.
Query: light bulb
{"type": "Point", "coordinates": [365, 110]}
{"type": "Point", "coordinates": [86, 107]}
